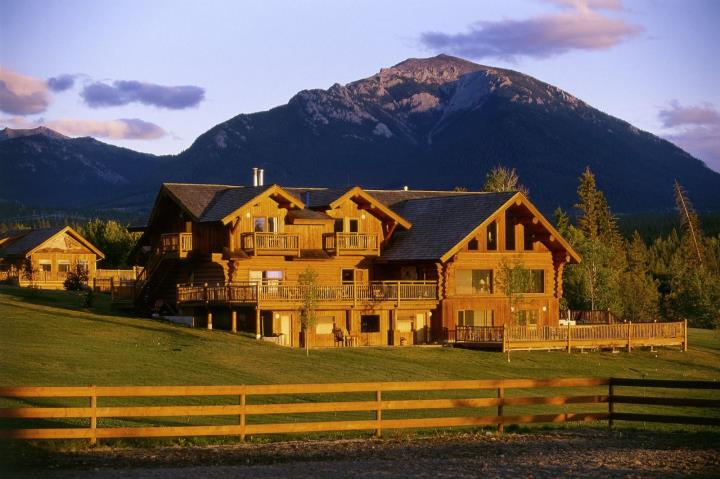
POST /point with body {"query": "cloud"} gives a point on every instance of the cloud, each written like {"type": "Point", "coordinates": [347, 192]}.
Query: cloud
{"type": "Point", "coordinates": [98, 95]}
{"type": "Point", "coordinates": [689, 115]}
{"type": "Point", "coordinates": [121, 129]}
{"type": "Point", "coordinates": [61, 82]}
{"type": "Point", "coordinates": [22, 95]}
{"type": "Point", "coordinates": [695, 129]}
{"type": "Point", "coordinates": [583, 27]}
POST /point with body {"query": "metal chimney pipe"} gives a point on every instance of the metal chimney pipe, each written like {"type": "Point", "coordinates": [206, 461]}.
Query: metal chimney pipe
{"type": "Point", "coordinates": [255, 176]}
{"type": "Point", "coordinates": [261, 177]}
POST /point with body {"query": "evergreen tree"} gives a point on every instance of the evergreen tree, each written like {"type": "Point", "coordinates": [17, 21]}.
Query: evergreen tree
{"type": "Point", "coordinates": [638, 289]}
{"type": "Point", "coordinates": [594, 283]}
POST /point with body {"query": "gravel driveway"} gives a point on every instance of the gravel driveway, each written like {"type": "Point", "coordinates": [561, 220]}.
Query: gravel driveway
{"type": "Point", "coordinates": [579, 453]}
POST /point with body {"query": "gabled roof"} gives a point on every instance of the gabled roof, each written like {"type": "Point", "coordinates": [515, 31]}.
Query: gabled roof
{"type": "Point", "coordinates": [26, 242]}
{"type": "Point", "coordinates": [439, 223]}
{"type": "Point", "coordinates": [210, 203]}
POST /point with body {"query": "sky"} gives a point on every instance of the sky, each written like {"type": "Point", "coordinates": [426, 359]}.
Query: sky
{"type": "Point", "coordinates": [154, 75]}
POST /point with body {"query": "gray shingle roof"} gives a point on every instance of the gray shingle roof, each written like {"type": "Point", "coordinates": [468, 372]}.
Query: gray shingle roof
{"type": "Point", "coordinates": [195, 198]}
{"type": "Point", "coordinates": [26, 240]}
{"type": "Point", "coordinates": [439, 223]}
{"type": "Point", "coordinates": [228, 200]}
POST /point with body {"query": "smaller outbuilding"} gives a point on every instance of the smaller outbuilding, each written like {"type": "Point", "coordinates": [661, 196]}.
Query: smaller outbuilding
{"type": "Point", "coordinates": [43, 257]}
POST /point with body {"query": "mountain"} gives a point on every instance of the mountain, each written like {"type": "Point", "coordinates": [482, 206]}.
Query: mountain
{"type": "Point", "coordinates": [443, 122]}
{"type": "Point", "coordinates": [433, 123]}
{"type": "Point", "coordinates": [45, 168]}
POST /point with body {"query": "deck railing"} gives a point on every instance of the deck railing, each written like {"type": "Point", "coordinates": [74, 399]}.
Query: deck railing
{"type": "Point", "coordinates": [373, 407]}
{"type": "Point", "coordinates": [252, 292]}
{"type": "Point", "coordinates": [177, 243]}
{"type": "Point", "coordinates": [271, 243]}
{"type": "Point", "coordinates": [352, 243]}
{"type": "Point", "coordinates": [621, 335]}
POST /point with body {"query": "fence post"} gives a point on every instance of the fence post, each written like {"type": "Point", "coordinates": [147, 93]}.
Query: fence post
{"type": "Point", "coordinates": [233, 326]}
{"type": "Point", "coordinates": [500, 407]}
{"type": "Point", "coordinates": [93, 416]}
{"type": "Point", "coordinates": [685, 335]}
{"type": "Point", "coordinates": [629, 336]}
{"type": "Point", "coordinates": [378, 414]}
{"type": "Point", "coordinates": [611, 402]}
{"type": "Point", "coordinates": [209, 320]}
{"type": "Point", "coordinates": [242, 415]}
{"type": "Point", "coordinates": [568, 337]}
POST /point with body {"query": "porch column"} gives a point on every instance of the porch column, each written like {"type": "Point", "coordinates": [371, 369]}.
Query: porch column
{"type": "Point", "coordinates": [233, 320]}
{"type": "Point", "coordinates": [209, 320]}
{"type": "Point", "coordinates": [257, 323]}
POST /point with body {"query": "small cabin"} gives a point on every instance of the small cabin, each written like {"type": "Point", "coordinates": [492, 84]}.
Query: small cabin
{"type": "Point", "coordinates": [42, 258]}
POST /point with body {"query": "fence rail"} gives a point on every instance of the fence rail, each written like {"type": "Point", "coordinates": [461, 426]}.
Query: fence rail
{"type": "Point", "coordinates": [375, 403]}
{"type": "Point", "coordinates": [621, 335]}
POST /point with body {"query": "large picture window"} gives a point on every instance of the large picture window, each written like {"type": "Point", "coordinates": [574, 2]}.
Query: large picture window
{"type": "Point", "coordinates": [476, 317]}
{"type": "Point", "coordinates": [474, 281]}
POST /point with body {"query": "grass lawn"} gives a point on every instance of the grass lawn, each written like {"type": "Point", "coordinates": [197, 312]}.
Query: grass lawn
{"type": "Point", "coordinates": [47, 338]}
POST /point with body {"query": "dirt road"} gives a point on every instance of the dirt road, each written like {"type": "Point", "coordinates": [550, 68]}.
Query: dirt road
{"type": "Point", "coordinates": [580, 453]}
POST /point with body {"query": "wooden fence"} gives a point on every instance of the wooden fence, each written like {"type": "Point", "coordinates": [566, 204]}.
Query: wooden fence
{"type": "Point", "coordinates": [381, 402]}
{"type": "Point", "coordinates": [621, 335]}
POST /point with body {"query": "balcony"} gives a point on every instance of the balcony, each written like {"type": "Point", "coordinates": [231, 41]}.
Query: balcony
{"type": "Point", "coordinates": [277, 244]}
{"type": "Point", "coordinates": [352, 243]}
{"type": "Point", "coordinates": [177, 244]}
{"type": "Point", "coordinates": [348, 294]}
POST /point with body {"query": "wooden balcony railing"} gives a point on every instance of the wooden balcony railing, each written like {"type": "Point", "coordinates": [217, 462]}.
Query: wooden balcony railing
{"type": "Point", "coordinates": [352, 243]}
{"type": "Point", "coordinates": [622, 335]}
{"type": "Point", "coordinates": [396, 291]}
{"type": "Point", "coordinates": [271, 244]}
{"type": "Point", "coordinates": [177, 243]}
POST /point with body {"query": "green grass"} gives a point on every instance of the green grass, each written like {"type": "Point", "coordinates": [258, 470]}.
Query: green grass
{"type": "Point", "coordinates": [48, 339]}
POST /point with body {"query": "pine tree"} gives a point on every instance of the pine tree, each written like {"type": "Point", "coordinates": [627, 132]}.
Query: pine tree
{"type": "Point", "coordinates": [692, 234]}
{"type": "Point", "coordinates": [638, 290]}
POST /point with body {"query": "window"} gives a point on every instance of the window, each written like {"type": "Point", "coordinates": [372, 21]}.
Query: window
{"type": "Point", "coordinates": [273, 224]}
{"type": "Point", "coordinates": [492, 236]}
{"type": "Point", "coordinates": [473, 244]}
{"type": "Point", "coordinates": [347, 275]}
{"type": "Point", "coordinates": [45, 265]}
{"type": "Point", "coordinates": [352, 225]}
{"type": "Point", "coordinates": [324, 325]}
{"type": "Point", "coordinates": [509, 235]}
{"type": "Point", "coordinates": [63, 266]}
{"type": "Point", "coordinates": [83, 264]}
{"type": "Point", "coordinates": [476, 317]}
{"type": "Point", "coordinates": [266, 277]}
{"type": "Point", "coordinates": [536, 281]}
{"type": "Point", "coordinates": [259, 225]}
{"type": "Point", "coordinates": [527, 317]}
{"type": "Point", "coordinates": [369, 323]}
{"type": "Point", "coordinates": [474, 281]}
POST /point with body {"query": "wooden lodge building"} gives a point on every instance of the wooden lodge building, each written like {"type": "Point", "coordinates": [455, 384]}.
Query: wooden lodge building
{"type": "Point", "coordinates": [43, 257]}
{"type": "Point", "coordinates": [392, 267]}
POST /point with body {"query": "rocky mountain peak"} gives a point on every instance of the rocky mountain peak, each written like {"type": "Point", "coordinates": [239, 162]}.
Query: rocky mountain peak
{"type": "Point", "coordinates": [9, 133]}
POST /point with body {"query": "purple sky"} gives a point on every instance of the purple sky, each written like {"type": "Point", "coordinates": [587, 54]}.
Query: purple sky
{"type": "Point", "coordinates": [152, 76]}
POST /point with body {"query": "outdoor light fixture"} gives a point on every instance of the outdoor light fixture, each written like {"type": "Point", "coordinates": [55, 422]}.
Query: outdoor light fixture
{"type": "Point", "coordinates": [544, 308]}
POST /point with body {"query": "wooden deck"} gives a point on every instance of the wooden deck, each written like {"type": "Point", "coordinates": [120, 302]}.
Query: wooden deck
{"type": "Point", "coordinates": [609, 336]}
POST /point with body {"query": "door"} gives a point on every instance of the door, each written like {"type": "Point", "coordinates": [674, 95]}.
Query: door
{"type": "Point", "coordinates": [285, 330]}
